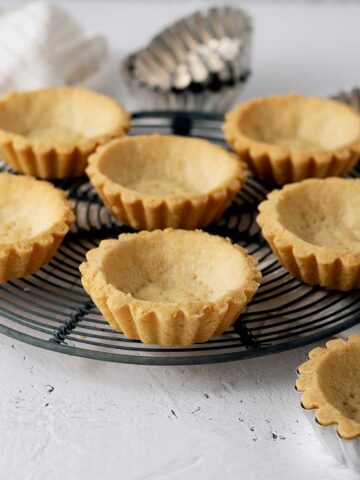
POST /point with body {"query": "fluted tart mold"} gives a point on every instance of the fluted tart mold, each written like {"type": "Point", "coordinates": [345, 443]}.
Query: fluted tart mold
{"type": "Point", "coordinates": [330, 386]}
{"type": "Point", "coordinates": [50, 133]}
{"type": "Point", "coordinates": [170, 287]}
{"type": "Point", "coordinates": [288, 138]}
{"type": "Point", "coordinates": [165, 181]}
{"type": "Point", "coordinates": [34, 218]}
{"type": "Point", "coordinates": [312, 227]}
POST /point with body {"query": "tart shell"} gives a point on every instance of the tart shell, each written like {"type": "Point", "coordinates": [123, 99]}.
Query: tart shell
{"type": "Point", "coordinates": [25, 257]}
{"type": "Point", "coordinates": [279, 165]}
{"type": "Point", "coordinates": [166, 323]}
{"type": "Point", "coordinates": [51, 160]}
{"type": "Point", "coordinates": [150, 212]}
{"type": "Point", "coordinates": [313, 264]}
{"type": "Point", "coordinates": [311, 383]}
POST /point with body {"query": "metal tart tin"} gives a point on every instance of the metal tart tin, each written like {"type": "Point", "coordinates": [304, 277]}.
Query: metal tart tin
{"type": "Point", "coordinates": [201, 62]}
{"type": "Point", "coordinates": [350, 97]}
{"type": "Point", "coordinates": [344, 451]}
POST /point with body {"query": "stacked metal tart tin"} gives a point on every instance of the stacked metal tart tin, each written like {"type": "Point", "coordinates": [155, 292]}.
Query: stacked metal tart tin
{"type": "Point", "coordinates": [201, 62]}
{"type": "Point", "coordinates": [350, 97]}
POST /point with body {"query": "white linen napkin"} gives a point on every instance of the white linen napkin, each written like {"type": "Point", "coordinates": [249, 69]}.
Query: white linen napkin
{"type": "Point", "coordinates": [41, 45]}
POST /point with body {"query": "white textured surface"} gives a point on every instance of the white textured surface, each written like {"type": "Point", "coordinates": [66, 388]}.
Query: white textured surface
{"type": "Point", "coordinates": [70, 418]}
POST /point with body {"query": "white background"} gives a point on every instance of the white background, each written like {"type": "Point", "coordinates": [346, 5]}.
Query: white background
{"type": "Point", "coordinates": [71, 418]}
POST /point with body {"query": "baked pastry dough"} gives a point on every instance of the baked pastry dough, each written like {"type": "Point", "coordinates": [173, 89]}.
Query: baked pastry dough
{"type": "Point", "coordinates": [170, 287]}
{"type": "Point", "coordinates": [34, 218]}
{"type": "Point", "coordinates": [313, 228]}
{"type": "Point", "coordinates": [287, 138]}
{"type": "Point", "coordinates": [50, 133]}
{"type": "Point", "coordinates": [159, 181]}
{"type": "Point", "coordinates": [330, 381]}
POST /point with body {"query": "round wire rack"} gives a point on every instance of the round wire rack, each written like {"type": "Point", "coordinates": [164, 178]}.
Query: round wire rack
{"type": "Point", "coordinates": [51, 310]}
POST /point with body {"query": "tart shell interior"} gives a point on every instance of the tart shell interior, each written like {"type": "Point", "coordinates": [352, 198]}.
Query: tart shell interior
{"type": "Point", "coordinates": [339, 380]}
{"type": "Point", "coordinates": [160, 165]}
{"type": "Point", "coordinates": [300, 123]}
{"type": "Point", "coordinates": [324, 213]}
{"type": "Point", "coordinates": [176, 268]}
{"type": "Point", "coordinates": [27, 208]}
{"type": "Point", "coordinates": [61, 115]}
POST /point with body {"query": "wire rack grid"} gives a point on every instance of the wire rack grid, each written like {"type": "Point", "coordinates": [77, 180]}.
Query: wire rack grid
{"type": "Point", "coordinates": [51, 310]}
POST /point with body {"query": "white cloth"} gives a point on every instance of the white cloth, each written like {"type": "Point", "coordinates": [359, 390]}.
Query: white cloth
{"type": "Point", "coordinates": [41, 46]}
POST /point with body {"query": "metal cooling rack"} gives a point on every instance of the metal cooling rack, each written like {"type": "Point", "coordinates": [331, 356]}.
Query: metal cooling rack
{"type": "Point", "coordinates": [51, 310]}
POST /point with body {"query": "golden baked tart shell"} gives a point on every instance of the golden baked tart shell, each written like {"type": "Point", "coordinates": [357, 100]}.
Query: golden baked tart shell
{"type": "Point", "coordinates": [160, 181]}
{"type": "Point", "coordinates": [287, 138]}
{"type": "Point", "coordinates": [34, 218]}
{"type": "Point", "coordinates": [330, 382]}
{"type": "Point", "coordinates": [50, 133]}
{"type": "Point", "coordinates": [170, 287]}
{"type": "Point", "coordinates": [313, 228]}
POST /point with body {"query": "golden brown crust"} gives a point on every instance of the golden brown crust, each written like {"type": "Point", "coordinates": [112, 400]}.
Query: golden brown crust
{"type": "Point", "coordinates": [144, 211]}
{"type": "Point", "coordinates": [277, 164]}
{"type": "Point", "coordinates": [167, 322]}
{"type": "Point", "coordinates": [323, 265]}
{"type": "Point", "coordinates": [25, 256]}
{"type": "Point", "coordinates": [48, 158]}
{"type": "Point", "coordinates": [315, 382]}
